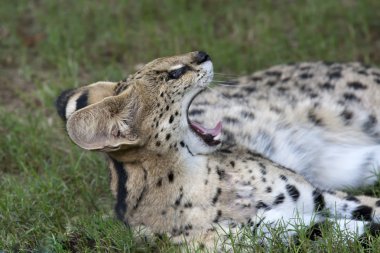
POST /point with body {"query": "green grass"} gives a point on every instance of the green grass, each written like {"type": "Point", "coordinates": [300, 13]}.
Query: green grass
{"type": "Point", "coordinates": [54, 196]}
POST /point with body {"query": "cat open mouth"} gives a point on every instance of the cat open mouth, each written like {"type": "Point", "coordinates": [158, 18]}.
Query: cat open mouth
{"type": "Point", "coordinates": [211, 136]}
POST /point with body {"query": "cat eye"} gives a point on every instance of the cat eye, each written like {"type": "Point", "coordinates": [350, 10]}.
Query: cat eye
{"type": "Point", "coordinates": [177, 73]}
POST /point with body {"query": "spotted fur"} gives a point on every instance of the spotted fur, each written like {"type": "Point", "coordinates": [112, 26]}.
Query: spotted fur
{"type": "Point", "coordinates": [168, 179]}
{"type": "Point", "coordinates": [319, 119]}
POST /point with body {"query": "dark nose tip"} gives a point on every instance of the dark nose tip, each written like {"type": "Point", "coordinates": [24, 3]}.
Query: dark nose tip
{"type": "Point", "coordinates": [202, 57]}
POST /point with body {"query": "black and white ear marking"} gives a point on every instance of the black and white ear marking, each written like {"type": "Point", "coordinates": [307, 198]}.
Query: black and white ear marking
{"type": "Point", "coordinates": [62, 101]}
{"type": "Point", "coordinates": [70, 101]}
{"type": "Point", "coordinates": [82, 100]}
{"type": "Point", "coordinates": [104, 125]}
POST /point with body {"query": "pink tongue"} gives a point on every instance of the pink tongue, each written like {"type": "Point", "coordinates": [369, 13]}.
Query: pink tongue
{"type": "Point", "coordinates": [204, 131]}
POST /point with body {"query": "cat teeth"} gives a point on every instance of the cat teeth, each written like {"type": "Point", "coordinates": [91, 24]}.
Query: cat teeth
{"type": "Point", "coordinates": [217, 137]}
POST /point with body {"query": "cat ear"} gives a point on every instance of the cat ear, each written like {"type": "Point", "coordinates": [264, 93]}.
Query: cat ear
{"type": "Point", "coordinates": [73, 100]}
{"type": "Point", "coordinates": [107, 125]}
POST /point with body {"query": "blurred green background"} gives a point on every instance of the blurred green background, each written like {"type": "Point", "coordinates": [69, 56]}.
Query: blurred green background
{"type": "Point", "coordinates": [54, 196]}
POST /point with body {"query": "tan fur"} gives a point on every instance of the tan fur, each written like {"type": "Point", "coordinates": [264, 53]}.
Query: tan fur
{"type": "Point", "coordinates": [168, 179]}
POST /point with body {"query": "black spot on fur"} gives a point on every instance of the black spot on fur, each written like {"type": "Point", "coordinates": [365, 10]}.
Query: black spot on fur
{"type": "Point", "coordinates": [334, 75]}
{"type": "Point", "coordinates": [366, 240]}
{"type": "Point", "coordinates": [346, 116]}
{"type": "Point", "coordinates": [230, 120]}
{"type": "Point", "coordinates": [313, 95]}
{"type": "Point", "coordinates": [305, 68]}
{"type": "Point", "coordinates": [351, 97]}
{"type": "Point", "coordinates": [171, 176]}
{"type": "Point", "coordinates": [374, 229]}
{"type": "Point", "coordinates": [369, 124]}
{"type": "Point", "coordinates": [250, 89]}
{"type": "Point", "coordinates": [331, 192]}
{"type": "Point", "coordinates": [378, 203]}
{"type": "Point", "coordinates": [176, 232]}
{"type": "Point", "coordinates": [362, 213]}
{"type": "Point", "coordinates": [306, 75]}
{"type": "Point", "coordinates": [284, 178]}
{"type": "Point", "coordinates": [263, 169]}
{"type": "Point", "coordinates": [279, 199]}
{"type": "Point", "coordinates": [121, 195]}
{"type": "Point", "coordinates": [159, 182]}
{"type": "Point", "coordinates": [314, 119]}
{"type": "Point", "coordinates": [314, 232]}
{"type": "Point", "coordinates": [327, 86]}
{"type": "Point", "coordinates": [362, 72]}
{"type": "Point", "coordinates": [261, 204]}
{"type": "Point", "coordinates": [256, 78]}
{"type": "Point", "coordinates": [221, 172]}
{"type": "Point", "coordinates": [158, 143]}
{"type": "Point", "coordinates": [319, 200]}
{"type": "Point", "coordinates": [217, 194]}
{"type": "Point", "coordinates": [282, 89]}
{"type": "Point", "coordinates": [178, 200]}
{"type": "Point", "coordinates": [188, 205]}
{"type": "Point", "coordinates": [353, 198]}
{"type": "Point", "coordinates": [218, 215]}
{"type": "Point", "coordinates": [121, 86]}
{"type": "Point", "coordinates": [356, 85]}
{"type": "Point", "coordinates": [188, 227]}
{"type": "Point", "coordinates": [235, 95]}
{"type": "Point", "coordinates": [182, 143]}
{"type": "Point", "coordinates": [171, 119]}
{"type": "Point", "coordinates": [196, 112]}
{"type": "Point", "coordinates": [224, 150]}
{"type": "Point", "coordinates": [248, 115]}
{"type": "Point", "coordinates": [293, 192]}
{"type": "Point", "coordinates": [232, 164]}
{"type": "Point", "coordinates": [273, 73]}
{"type": "Point", "coordinates": [269, 189]}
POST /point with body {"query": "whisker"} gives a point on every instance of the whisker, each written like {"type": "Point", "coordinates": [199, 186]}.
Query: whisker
{"type": "Point", "coordinates": [221, 81]}
{"type": "Point", "coordinates": [230, 84]}
{"type": "Point", "coordinates": [225, 85]}
{"type": "Point", "coordinates": [227, 75]}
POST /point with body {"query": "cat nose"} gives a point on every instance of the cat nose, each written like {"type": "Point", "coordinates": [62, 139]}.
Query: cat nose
{"type": "Point", "coordinates": [202, 57]}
